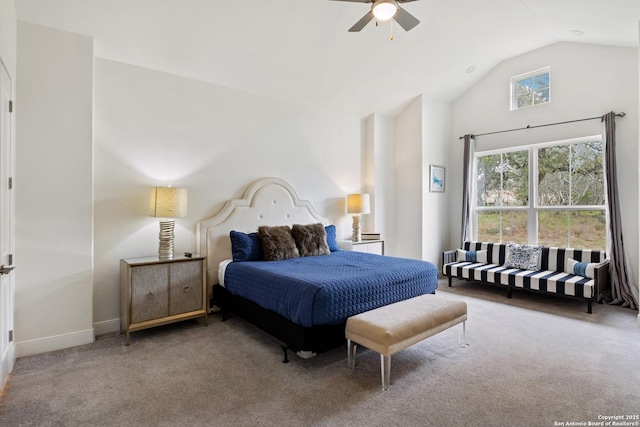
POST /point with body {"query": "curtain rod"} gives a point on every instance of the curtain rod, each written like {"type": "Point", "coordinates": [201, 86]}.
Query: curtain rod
{"type": "Point", "coordinates": [540, 126]}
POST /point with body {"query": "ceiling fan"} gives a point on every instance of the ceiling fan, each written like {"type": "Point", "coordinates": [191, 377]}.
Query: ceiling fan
{"type": "Point", "coordinates": [383, 10]}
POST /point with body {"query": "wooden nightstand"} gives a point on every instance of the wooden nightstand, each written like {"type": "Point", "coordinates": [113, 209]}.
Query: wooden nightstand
{"type": "Point", "coordinates": [156, 291]}
{"type": "Point", "coordinates": [370, 246]}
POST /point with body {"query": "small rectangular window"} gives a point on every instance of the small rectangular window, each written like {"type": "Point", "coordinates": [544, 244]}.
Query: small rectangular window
{"type": "Point", "coordinates": [531, 89]}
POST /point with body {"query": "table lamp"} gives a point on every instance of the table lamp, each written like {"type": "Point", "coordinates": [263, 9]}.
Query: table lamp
{"type": "Point", "coordinates": [167, 202]}
{"type": "Point", "coordinates": [357, 204]}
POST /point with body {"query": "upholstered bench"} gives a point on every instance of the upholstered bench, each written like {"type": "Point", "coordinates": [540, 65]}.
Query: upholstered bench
{"type": "Point", "coordinates": [391, 328]}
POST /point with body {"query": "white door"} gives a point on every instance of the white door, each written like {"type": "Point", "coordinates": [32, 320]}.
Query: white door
{"type": "Point", "coordinates": [7, 228]}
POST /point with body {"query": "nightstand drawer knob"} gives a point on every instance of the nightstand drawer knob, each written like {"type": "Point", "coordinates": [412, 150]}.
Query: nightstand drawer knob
{"type": "Point", "coordinates": [150, 294]}
{"type": "Point", "coordinates": [186, 289]}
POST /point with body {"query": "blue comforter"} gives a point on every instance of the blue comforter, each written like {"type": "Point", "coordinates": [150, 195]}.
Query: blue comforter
{"type": "Point", "coordinates": [327, 289]}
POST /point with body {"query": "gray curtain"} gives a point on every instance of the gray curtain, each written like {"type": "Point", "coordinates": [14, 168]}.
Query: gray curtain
{"type": "Point", "coordinates": [621, 284]}
{"type": "Point", "coordinates": [467, 170]}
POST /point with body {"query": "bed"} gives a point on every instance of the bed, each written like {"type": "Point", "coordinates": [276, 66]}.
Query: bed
{"type": "Point", "coordinates": [302, 300]}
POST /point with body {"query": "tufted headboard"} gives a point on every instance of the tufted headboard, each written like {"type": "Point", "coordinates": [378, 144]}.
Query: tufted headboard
{"type": "Point", "coordinates": [267, 201]}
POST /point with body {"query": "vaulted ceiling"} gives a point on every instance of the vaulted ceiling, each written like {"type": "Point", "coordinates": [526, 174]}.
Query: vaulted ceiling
{"type": "Point", "coordinates": [299, 51]}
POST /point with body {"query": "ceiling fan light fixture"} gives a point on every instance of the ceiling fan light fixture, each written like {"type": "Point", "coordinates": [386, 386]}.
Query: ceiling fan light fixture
{"type": "Point", "coordinates": [384, 10]}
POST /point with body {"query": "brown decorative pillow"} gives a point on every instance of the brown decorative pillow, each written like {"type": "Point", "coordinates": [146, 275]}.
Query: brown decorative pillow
{"type": "Point", "coordinates": [277, 243]}
{"type": "Point", "coordinates": [310, 239]}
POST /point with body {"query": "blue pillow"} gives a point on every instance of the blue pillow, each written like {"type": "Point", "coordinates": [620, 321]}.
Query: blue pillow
{"type": "Point", "coordinates": [584, 269]}
{"type": "Point", "coordinates": [331, 238]}
{"type": "Point", "coordinates": [472, 256]}
{"type": "Point", "coordinates": [245, 247]}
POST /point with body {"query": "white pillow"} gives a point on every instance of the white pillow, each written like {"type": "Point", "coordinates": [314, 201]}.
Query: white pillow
{"type": "Point", "coordinates": [584, 269]}
{"type": "Point", "coordinates": [472, 256]}
{"type": "Point", "coordinates": [522, 257]}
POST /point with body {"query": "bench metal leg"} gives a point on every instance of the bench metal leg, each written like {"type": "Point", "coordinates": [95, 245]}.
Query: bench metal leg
{"type": "Point", "coordinates": [462, 335]}
{"type": "Point", "coordinates": [385, 370]}
{"type": "Point", "coordinates": [351, 354]}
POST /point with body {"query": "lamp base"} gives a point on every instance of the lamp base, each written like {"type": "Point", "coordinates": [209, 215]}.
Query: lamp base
{"type": "Point", "coordinates": [165, 250]}
{"type": "Point", "coordinates": [356, 236]}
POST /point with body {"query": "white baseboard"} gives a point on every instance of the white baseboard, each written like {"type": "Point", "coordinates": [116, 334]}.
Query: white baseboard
{"type": "Point", "coordinates": [58, 342]}
{"type": "Point", "coordinates": [106, 327]}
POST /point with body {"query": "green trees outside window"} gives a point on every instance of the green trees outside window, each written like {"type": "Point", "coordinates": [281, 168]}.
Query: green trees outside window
{"type": "Point", "coordinates": [566, 184]}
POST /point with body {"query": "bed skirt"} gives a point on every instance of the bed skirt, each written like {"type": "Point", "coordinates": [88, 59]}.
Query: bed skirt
{"type": "Point", "coordinates": [315, 339]}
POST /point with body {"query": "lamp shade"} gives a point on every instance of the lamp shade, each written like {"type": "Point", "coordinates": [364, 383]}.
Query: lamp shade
{"type": "Point", "coordinates": [358, 204]}
{"type": "Point", "coordinates": [168, 202]}
{"type": "Point", "coordinates": [384, 10]}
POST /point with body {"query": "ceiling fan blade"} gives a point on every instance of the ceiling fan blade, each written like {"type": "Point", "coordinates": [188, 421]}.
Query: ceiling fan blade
{"type": "Point", "coordinates": [405, 19]}
{"type": "Point", "coordinates": [403, 1]}
{"type": "Point", "coordinates": [360, 1]}
{"type": "Point", "coordinates": [361, 23]}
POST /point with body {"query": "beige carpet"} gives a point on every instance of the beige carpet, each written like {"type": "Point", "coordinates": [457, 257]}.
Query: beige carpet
{"type": "Point", "coordinates": [533, 360]}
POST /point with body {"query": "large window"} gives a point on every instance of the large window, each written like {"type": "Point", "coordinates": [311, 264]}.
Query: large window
{"type": "Point", "coordinates": [503, 196]}
{"type": "Point", "coordinates": [530, 89]}
{"type": "Point", "coordinates": [549, 194]}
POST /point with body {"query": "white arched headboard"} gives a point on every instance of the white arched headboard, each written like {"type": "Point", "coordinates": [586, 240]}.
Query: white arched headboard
{"type": "Point", "coordinates": [267, 201]}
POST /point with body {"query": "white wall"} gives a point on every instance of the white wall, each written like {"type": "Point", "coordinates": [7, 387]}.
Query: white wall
{"type": "Point", "coordinates": [153, 128]}
{"type": "Point", "coordinates": [586, 81]}
{"type": "Point", "coordinates": [422, 132]}
{"type": "Point", "coordinates": [436, 133]}
{"type": "Point", "coordinates": [409, 185]}
{"type": "Point", "coordinates": [379, 180]}
{"type": "Point", "coordinates": [54, 191]}
{"type": "Point", "coordinates": [8, 35]}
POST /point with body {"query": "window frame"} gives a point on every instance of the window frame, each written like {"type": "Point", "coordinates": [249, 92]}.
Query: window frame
{"type": "Point", "coordinates": [520, 77]}
{"type": "Point", "coordinates": [533, 207]}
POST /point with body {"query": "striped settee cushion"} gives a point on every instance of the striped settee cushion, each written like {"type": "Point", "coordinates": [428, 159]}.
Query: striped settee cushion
{"type": "Point", "coordinates": [549, 277]}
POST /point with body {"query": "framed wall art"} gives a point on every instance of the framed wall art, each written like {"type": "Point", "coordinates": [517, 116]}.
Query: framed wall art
{"type": "Point", "coordinates": [436, 179]}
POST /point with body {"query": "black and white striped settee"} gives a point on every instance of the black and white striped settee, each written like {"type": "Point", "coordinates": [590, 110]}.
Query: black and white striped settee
{"type": "Point", "coordinates": [572, 272]}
